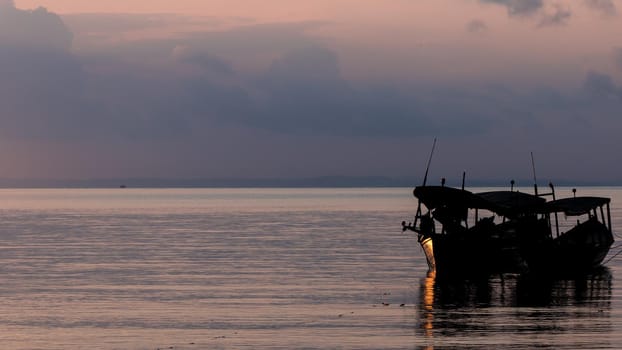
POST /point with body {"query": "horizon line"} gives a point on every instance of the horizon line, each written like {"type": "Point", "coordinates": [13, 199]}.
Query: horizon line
{"type": "Point", "coordinates": [337, 181]}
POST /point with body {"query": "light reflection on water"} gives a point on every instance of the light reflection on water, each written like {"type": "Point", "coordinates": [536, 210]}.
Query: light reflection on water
{"type": "Point", "coordinates": [510, 311]}
{"type": "Point", "coordinates": [265, 268]}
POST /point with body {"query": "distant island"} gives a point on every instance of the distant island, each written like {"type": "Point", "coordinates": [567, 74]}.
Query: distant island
{"type": "Point", "coordinates": [310, 182]}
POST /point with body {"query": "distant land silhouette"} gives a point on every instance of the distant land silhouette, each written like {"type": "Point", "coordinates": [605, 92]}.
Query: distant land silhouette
{"type": "Point", "coordinates": [310, 182]}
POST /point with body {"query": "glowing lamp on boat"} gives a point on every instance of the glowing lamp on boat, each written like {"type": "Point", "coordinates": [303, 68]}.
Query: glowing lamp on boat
{"type": "Point", "coordinates": [428, 250]}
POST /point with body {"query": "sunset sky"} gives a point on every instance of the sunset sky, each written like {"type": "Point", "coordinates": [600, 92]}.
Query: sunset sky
{"type": "Point", "coordinates": [281, 88]}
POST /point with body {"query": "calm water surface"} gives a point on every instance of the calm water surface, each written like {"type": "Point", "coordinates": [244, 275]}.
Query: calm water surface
{"type": "Point", "coordinates": [268, 269]}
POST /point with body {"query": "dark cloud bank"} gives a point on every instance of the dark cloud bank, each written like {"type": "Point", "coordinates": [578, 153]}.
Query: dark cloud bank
{"type": "Point", "coordinates": [53, 93]}
{"type": "Point", "coordinates": [605, 7]}
{"type": "Point", "coordinates": [50, 93]}
{"type": "Point", "coordinates": [519, 8]}
{"type": "Point", "coordinates": [553, 15]}
{"type": "Point", "coordinates": [41, 80]}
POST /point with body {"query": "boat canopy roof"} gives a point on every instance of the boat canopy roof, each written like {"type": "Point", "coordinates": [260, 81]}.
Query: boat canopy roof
{"type": "Point", "coordinates": [506, 203]}
{"type": "Point", "coordinates": [577, 205]}
{"type": "Point", "coordinates": [441, 196]}
{"type": "Point", "coordinates": [512, 203]}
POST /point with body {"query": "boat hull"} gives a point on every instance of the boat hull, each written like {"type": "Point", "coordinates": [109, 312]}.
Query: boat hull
{"type": "Point", "coordinates": [520, 249]}
{"type": "Point", "coordinates": [468, 256]}
{"type": "Point", "coordinates": [579, 250]}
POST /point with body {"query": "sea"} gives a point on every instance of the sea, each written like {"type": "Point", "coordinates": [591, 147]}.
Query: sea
{"type": "Point", "coordinates": [293, 268]}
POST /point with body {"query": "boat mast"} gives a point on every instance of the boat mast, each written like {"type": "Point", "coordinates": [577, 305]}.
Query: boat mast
{"type": "Point", "coordinates": [463, 176]}
{"type": "Point", "coordinates": [425, 180]}
{"type": "Point", "coordinates": [535, 181]}
{"type": "Point", "coordinates": [427, 168]}
{"type": "Point", "coordinates": [535, 188]}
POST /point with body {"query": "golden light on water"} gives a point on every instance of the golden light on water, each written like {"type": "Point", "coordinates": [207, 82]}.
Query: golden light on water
{"type": "Point", "coordinates": [428, 304]}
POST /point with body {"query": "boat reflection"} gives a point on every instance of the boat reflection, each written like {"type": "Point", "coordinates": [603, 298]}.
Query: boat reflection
{"type": "Point", "coordinates": [493, 309]}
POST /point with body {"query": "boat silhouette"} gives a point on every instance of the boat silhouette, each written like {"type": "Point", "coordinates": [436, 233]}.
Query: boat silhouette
{"type": "Point", "coordinates": [466, 233]}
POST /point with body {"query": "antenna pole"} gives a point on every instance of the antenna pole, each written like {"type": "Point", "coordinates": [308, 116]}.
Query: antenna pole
{"type": "Point", "coordinates": [535, 182]}
{"type": "Point", "coordinates": [425, 180]}
{"type": "Point", "coordinates": [427, 168]}
{"type": "Point", "coordinates": [463, 176]}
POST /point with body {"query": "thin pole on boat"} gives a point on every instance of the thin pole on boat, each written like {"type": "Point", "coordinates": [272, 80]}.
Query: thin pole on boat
{"type": "Point", "coordinates": [609, 217]}
{"type": "Point", "coordinates": [535, 182]}
{"type": "Point", "coordinates": [427, 168]}
{"type": "Point", "coordinates": [425, 180]}
{"type": "Point", "coordinates": [463, 176]}
{"type": "Point", "coordinates": [556, 217]}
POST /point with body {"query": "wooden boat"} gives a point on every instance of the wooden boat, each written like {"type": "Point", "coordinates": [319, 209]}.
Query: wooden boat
{"type": "Point", "coordinates": [465, 233]}
{"type": "Point", "coordinates": [580, 245]}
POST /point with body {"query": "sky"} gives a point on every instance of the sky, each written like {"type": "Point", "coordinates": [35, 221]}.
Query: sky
{"type": "Point", "coordinates": [283, 89]}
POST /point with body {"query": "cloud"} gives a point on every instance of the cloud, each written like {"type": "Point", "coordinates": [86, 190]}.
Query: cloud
{"type": "Point", "coordinates": [41, 94]}
{"type": "Point", "coordinates": [32, 28]}
{"type": "Point", "coordinates": [519, 8]}
{"type": "Point", "coordinates": [258, 39]}
{"type": "Point", "coordinates": [602, 86]}
{"type": "Point", "coordinates": [476, 26]}
{"type": "Point", "coordinates": [185, 54]}
{"type": "Point", "coordinates": [247, 44]}
{"type": "Point", "coordinates": [179, 100]}
{"type": "Point", "coordinates": [42, 82]}
{"type": "Point", "coordinates": [316, 66]}
{"type": "Point", "coordinates": [118, 22]}
{"type": "Point", "coordinates": [605, 7]}
{"type": "Point", "coordinates": [559, 16]}
{"type": "Point", "coordinates": [48, 93]}
{"type": "Point", "coordinates": [551, 15]}
{"type": "Point", "coordinates": [303, 92]}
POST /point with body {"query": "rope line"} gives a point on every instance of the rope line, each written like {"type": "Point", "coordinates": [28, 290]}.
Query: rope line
{"type": "Point", "coordinates": [613, 256]}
